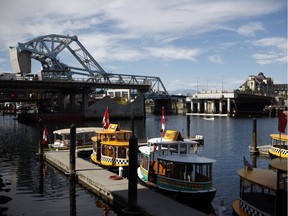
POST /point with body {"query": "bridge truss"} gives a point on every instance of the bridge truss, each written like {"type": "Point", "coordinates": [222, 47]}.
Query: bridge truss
{"type": "Point", "coordinates": [46, 50]}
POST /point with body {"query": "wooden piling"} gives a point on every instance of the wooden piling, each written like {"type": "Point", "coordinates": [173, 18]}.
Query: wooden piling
{"type": "Point", "coordinates": [254, 150]}
{"type": "Point", "coordinates": [40, 139]}
{"type": "Point", "coordinates": [72, 151]}
{"type": "Point", "coordinates": [188, 126]}
{"type": "Point", "coordinates": [132, 175]}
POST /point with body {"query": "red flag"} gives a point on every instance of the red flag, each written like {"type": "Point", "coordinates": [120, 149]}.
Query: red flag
{"type": "Point", "coordinates": [105, 121]}
{"type": "Point", "coordinates": [45, 135]}
{"type": "Point", "coordinates": [282, 121]}
{"type": "Point", "coordinates": [163, 123]}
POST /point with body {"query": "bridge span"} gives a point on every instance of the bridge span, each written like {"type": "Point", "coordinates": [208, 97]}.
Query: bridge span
{"type": "Point", "coordinates": [80, 75]}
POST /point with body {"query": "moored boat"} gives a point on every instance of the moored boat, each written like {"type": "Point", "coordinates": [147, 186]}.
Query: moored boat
{"type": "Point", "coordinates": [111, 147]}
{"type": "Point", "coordinates": [279, 146]}
{"type": "Point", "coordinates": [211, 118]}
{"type": "Point", "coordinates": [170, 164]}
{"type": "Point", "coordinates": [263, 191]}
{"type": "Point", "coordinates": [83, 137]}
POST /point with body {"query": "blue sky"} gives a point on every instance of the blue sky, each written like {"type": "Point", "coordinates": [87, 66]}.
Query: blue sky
{"type": "Point", "coordinates": [193, 44]}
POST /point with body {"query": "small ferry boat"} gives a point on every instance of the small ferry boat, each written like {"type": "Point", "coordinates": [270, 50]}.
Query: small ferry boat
{"type": "Point", "coordinates": [279, 146]}
{"type": "Point", "coordinates": [111, 147]}
{"type": "Point", "coordinates": [171, 164]}
{"type": "Point", "coordinates": [83, 137]}
{"type": "Point", "coordinates": [263, 191]}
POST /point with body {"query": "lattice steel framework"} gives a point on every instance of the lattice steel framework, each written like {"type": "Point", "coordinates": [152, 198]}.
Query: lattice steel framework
{"type": "Point", "coordinates": [46, 49]}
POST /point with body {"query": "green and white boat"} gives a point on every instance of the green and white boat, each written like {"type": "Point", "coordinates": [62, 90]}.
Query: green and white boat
{"type": "Point", "coordinates": [171, 164]}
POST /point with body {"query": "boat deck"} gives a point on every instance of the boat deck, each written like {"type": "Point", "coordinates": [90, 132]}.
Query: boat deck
{"type": "Point", "coordinates": [98, 180]}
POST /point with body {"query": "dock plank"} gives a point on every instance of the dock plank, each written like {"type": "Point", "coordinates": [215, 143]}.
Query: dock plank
{"type": "Point", "coordinates": [97, 179]}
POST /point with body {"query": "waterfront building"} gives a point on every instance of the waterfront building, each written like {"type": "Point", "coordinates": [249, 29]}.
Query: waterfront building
{"type": "Point", "coordinates": [259, 84]}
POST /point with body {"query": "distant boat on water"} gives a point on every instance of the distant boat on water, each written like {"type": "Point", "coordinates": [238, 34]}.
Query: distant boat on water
{"type": "Point", "coordinates": [211, 118]}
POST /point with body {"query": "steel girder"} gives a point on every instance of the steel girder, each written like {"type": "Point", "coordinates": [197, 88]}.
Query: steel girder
{"type": "Point", "coordinates": [46, 49]}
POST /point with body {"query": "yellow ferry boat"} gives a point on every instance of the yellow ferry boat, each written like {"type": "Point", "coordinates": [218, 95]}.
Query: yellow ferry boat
{"type": "Point", "coordinates": [279, 146]}
{"type": "Point", "coordinates": [263, 191]}
{"type": "Point", "coordinates": [111, 147]}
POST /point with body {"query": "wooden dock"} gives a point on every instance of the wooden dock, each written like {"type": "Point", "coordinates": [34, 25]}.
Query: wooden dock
{"type": "Point", "coordinates": [98, 180]}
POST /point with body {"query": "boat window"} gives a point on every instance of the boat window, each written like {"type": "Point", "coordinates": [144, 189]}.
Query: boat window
{"type": "Point", "coordinates": [111, 137]}
{"type": "Point", "coordinates": [108, 150]}
{"type": "Point", "coordinates": [184, 149]}
{"type": "Point", "coordinates": [203, 172]}
{"type": "Point", "coordinates": [121, 152]}
{"type": "Point", "coordinates": [111, 151]}
{"type": "Point", "coordinates": [144, 161]}
{"type": "Point", "coordinates": [94, 146]}
{"type": "Point", "coordinates": [104, 149]}
{"type": "Point", "coordinates": [126, 136]}
{"type": "Point", "coordinates": [279, 143]}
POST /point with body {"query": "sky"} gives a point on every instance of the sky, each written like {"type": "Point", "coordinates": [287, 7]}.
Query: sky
{"type": "Point", "coordinates": [189, 44]}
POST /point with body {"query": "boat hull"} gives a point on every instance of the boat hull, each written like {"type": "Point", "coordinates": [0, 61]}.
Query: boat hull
{"type": "Point", "coordinates": [190, 197]}
{"type": "Point", "coordinates": [275, 152]}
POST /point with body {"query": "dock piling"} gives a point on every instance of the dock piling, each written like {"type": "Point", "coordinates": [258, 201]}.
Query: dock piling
{"type": "Point", "coordinates": [40, 142]}
{"type": "Point", "coordinates": [132, 175]}
{"type": "Point", "coordinates": [254, 150]}
{"type": "Point", "coordinates": [72, 160]}
{"type": "Point", "coordinates": [188, 126]}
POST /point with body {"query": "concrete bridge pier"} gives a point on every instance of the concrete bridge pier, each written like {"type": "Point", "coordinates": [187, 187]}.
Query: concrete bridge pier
{"type": "Point", "coordinates": [220, 106]}
{"type": "Point", "coordinates": [228, 106]}
{"type": "Point", "coordinates": [72, 102]}
{"type": "Point", "coordinates": [84, 104]}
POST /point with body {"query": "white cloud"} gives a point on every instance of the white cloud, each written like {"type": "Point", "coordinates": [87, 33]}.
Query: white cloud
{"type": "Point", "coordinates": [174, 53]}
{"type": "Point", "coordinates": [215, 59]}
{"type": "Point", "coordinates": [250, 29]}
{"type": "Point", "coordinates": [273, 42]}
{"type": "Point", "coordinates": [127, 30]}
{"type": "Point", "coordinates": [277, 53]}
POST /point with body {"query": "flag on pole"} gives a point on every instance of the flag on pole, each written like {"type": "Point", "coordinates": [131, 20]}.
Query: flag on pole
{"type": "Point", "coordinates": [282, 121]}
{"type": "Point", "coordinates": [163, 123]}
{"type": "Point", "coordinates": [105, 121]}
{"type": "Point", "coordinates": [45, 135]}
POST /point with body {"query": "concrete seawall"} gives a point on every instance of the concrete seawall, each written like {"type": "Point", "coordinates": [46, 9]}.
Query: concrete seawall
{"type": "Point", "coordinates": [135, 108]}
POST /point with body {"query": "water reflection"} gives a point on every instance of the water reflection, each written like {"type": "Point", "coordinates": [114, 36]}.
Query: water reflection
{"type": "Point", "coordinates": [32, 187]}
{"type": "Point", "coordinates": [36, 187]}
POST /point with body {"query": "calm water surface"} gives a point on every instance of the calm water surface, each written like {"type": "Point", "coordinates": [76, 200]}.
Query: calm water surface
{"type": "Point", "coordinates": [32, 189]}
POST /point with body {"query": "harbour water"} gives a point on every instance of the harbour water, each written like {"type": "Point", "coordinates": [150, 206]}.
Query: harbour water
{"type": "Point", "coordinates": [30, 189]}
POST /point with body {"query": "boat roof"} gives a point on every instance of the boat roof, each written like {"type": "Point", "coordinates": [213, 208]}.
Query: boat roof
{"type": "Point", "coordinates": [112, 129]}
{"type": "Point", "coordinates": [265, 178]}
{"type": "Point", "coordinates": [190, 158]}
{"type": "Point", "coordinates": [115, 143]}
{"type": "Point", "coordinates": [109, 131]}
{"type": "Point", "coordinates": [66, 131]}
{"type": "Point", "coordinates": [160, 140]}
{"type": "Point", "coordinates": [279, 163]}
{"type": "Point", "coordinates": [282, 137]}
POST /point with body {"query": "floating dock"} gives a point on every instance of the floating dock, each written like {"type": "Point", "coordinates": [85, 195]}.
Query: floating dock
{"type": "Point", "coordinates": [99, 181]}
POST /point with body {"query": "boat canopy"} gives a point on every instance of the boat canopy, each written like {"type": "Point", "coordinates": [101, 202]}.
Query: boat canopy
{"type": "Point", "coordinates": [195, 159]}
{"type": "Point", "coordinates": [279, 164]}
{"type": "Point", "coordinates": [280, 137]}
{"type": "Point", "coordinates": [66, 131]}
{"type": "Point", "coordinates": [255, 176]}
